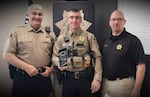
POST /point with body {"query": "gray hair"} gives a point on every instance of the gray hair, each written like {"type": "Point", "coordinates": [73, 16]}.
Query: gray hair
{"type": "Point", "coordinates": [34, 6]}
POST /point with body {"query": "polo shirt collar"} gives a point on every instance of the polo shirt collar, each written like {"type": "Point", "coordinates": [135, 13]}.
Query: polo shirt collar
{"type": "Point", "coordinates": [118, 37]}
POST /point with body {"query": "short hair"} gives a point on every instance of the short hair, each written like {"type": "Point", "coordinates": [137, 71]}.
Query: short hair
{"type": "Point", "coordinates": [117, 11]}
{"type": "Point", "coordinates": [34, 6]}
{"type": "Point", "coordinates": [74, 10]}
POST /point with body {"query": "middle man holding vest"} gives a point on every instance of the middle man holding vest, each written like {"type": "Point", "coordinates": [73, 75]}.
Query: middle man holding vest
{"type": "Point", "coordinates": [76, 53]}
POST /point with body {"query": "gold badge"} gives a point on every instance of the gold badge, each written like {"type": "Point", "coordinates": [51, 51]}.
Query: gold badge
{"type": "Point", "coordinates": [81, 38]}
{"type": "Point", "coordinates": [119, 47]}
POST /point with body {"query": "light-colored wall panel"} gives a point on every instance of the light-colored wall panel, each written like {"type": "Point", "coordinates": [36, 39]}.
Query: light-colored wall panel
{"type": "Point", "coordinates": [137, 15]}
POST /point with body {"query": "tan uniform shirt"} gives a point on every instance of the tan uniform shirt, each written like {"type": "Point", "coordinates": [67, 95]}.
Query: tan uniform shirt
{"type": "Point", "coordinates": [90, 43]}
{"type": "Point", "coordinates": [33, 47]}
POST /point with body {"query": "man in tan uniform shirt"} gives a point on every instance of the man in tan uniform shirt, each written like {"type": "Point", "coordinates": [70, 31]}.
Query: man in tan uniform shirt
{"type": "Point", "coordinates": [80, 77]}
{"type": "Point", "coordinates": [28, 49]}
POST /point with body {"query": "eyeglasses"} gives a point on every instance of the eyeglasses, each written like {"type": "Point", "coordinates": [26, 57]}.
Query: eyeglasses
{"type": "Point", "coordinates": [117, 19]}
{"type": "Point", "coordinates": [36, 13]}
{"type": "Point", "coordinates": [75, 17]}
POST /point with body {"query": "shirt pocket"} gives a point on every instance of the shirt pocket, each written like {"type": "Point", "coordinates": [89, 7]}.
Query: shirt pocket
{"type": "Point", "coordinates": [25, 44]}
{"type": "Point", "coordinates": [46, 45]}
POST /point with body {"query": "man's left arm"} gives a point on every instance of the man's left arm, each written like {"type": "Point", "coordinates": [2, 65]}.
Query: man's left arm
{"type": "Point", "coordinates": [140, 73]}
{"type": "Point", "coordinates": [96, 83]}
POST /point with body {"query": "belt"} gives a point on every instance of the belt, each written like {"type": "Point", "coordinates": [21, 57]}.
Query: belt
{"type": "Point", "coordinates": [14, 70]}
{"type": "Point", "coordinates": [87, 73]}
{"type": "Point", "coordinates": [117, 78]}
{"type": "Point", "coordinates": [40, 70]}
{"type": "Point", "coordinates": [20, 71]}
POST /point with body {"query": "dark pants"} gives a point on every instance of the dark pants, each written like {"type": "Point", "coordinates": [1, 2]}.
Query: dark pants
{"type": "Point", "coordinates": [25, 86]}
{"type": "Point", "coordinates": [80, 87]}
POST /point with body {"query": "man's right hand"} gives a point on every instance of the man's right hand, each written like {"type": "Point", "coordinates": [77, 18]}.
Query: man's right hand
{"type": "Point", "coordinates": [31, 70]}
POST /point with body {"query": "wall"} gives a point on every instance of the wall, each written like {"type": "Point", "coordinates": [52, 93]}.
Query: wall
{"type": "Point", "coordinates": [103, 9]}
{"type": "Point", "coordinates": [12, 14]}
{"type": "Point", "coordinates": [138, 20]}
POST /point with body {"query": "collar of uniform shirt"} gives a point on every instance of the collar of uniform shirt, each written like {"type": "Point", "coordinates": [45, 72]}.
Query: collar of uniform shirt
{"type": "Point", "coordinates": [79, 31]}
{"type": "Point", "coordinates": [36, 30]}
{"type": "Point", "coordinates": [30, 29]}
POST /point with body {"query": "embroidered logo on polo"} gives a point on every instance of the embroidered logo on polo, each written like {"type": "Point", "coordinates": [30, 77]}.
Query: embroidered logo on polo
{"type": "Point", "coordinates": [119, 46]}
{"type": "Point", "coordinates": [81, 38]}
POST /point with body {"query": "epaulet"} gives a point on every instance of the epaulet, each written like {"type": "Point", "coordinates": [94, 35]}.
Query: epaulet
{"type": "Point", "coordinates": [21, 26]}
{"type": "Point", "coordinates": [15, 29]}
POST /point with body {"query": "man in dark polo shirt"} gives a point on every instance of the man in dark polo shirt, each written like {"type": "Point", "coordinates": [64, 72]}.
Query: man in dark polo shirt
{"type": "Point", "coordinates": [123, 61]}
